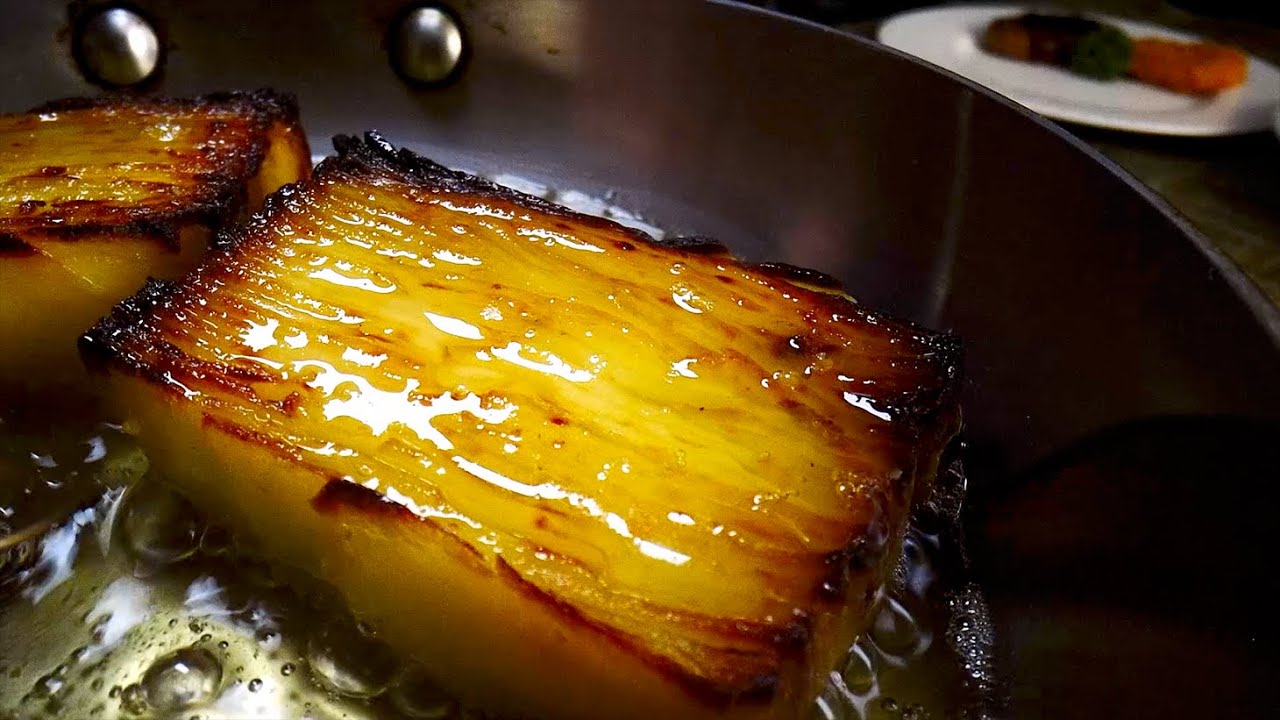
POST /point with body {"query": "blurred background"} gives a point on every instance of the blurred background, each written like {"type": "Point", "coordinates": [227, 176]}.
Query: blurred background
{"type": "Point", "coordinates": [1228, 187]}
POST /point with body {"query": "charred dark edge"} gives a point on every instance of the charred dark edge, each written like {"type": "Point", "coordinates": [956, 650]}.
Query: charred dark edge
{"type": "Point", "coordinates": [113, 342]}
{"type": "Point", "coordinates": [339, 494]}
{"type": "Point", "coordinates": [923, 409]}
{"type": "Point", "coordinates": [164, 233]}
{"type": "Point", "coordinates": [108, 341]}
{"type": "Point", "coordinates": [761, 691]}
{"type": "Point", "coordinates": [935, 359]}
{"type": "Point", "coordinates": [862, 556]}
{"type": "Point", "coordinates": [342, 495]}
{"type": "Point", "coordinates": [12, 246]}
{"type": "Point", "coordinates": [168, 232]}
{"type": "Point", "coordinates": [930, 352]}
{"type": "Point", "coordinates": [936, 355]}
{"type": "Point", "coordinates": [270, 105]}
{"type": "Point", "coordinates": [372, 156]}
{"type": "Point", "coordinates": [797, 275]}
{"type": "Point", "coordinates": [249, 437]}
{"type": "Point", "coordinates": [695, 245]}
{"type": "Point", "coordinates": [222, 192]}
{"type": "Point", "coordinates": [162, 227]}
{"type": "Point", "coordinates": [232, 239]}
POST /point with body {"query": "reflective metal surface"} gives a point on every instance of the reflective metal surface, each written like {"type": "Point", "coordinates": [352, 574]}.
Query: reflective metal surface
{"type": "Point", "coordinates": [1087, 308]}
{"type": "Point", "coordinates": [426, 44]}
{"type": "Point", "coordinates": [117, 47]}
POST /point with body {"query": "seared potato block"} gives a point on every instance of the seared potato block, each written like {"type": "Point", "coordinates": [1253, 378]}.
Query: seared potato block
{"type": "Point", "coordinates": [575, 472]}
{"type": "Point", "coordinates": [98, 195]}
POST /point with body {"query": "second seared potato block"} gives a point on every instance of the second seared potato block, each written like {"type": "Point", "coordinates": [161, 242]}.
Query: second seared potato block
{"type": "Point", "coordinates": [98, 195]}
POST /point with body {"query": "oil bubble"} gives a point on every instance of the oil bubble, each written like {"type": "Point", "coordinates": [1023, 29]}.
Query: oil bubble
{"type": "Point", "coordinates": [159, 525]}
{"type": "Point", "coordinates": [258, 574]}
{"type": "Point", "coordinates": [182, 679]}
{"type": "Point", "coordinates": [829, 705]}
{"type": "Point", "coordinates": [216, 541]}
{"type": "Point", "coordinates": [416, 695]}
{"type": "Point", "coordinates": [859, 672]}
{"type": "Point", "coordinates": [48, 686]}
{"type": "Point", "coordinates": [348, 662]}
{"type": "Point", "coordinates": [896, 633]}
{"type": "Point", "coordinates": [133, 700]}
{"type": "Point", "coordinates": [915, 711]}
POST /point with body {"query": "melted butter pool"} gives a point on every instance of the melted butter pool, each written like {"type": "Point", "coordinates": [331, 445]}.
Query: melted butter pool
{"type": "Point", "coordinates": [132, 606]}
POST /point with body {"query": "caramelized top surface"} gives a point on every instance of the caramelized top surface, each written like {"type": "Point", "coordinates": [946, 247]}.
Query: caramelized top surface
{"type": "Point", "coordinates": [682, 450]}
{"type": "Point", "coordinates": [122, 161]}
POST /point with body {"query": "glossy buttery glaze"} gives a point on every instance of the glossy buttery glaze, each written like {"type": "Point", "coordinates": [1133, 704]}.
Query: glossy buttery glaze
{"type": "Point", "coordinates": [695, 463]}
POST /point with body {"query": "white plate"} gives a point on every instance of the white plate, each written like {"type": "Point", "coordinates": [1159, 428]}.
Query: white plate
{"type": "Point", "coordinates": [949, 37]}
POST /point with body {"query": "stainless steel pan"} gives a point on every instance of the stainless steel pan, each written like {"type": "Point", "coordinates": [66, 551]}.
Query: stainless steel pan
{"type": "Point", "coordinates": [1124, 378]}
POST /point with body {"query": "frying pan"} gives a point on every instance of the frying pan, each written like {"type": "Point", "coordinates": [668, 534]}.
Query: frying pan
{"type": "Point", "coordinates": [1123, 396]}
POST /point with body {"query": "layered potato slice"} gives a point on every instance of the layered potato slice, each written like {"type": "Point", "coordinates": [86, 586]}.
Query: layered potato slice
{"type": "Point", "coordinates": [98, 195]}
{"type": "Point", "coordinates": [574, 472]}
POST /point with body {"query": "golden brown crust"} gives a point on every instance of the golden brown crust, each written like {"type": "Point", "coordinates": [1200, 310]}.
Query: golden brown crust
{"type": "Point", "coordinates": [873, 455]}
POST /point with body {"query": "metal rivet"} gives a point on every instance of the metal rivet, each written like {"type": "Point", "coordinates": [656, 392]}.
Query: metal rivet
{"type": "Point", "coordinates": [117, 46]}
{"type": "Point", "coordinates": [427, 45]}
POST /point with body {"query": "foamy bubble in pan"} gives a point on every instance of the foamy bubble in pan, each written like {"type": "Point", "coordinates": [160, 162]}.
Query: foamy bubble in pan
{"type": "Point", "coordinates": [182, 679]}
{"type": "Point", "coordinates": [349, 662]}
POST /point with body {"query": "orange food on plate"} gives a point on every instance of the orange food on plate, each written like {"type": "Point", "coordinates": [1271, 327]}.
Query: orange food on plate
{"type": "Point", "coordinates": [1188, 67]}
